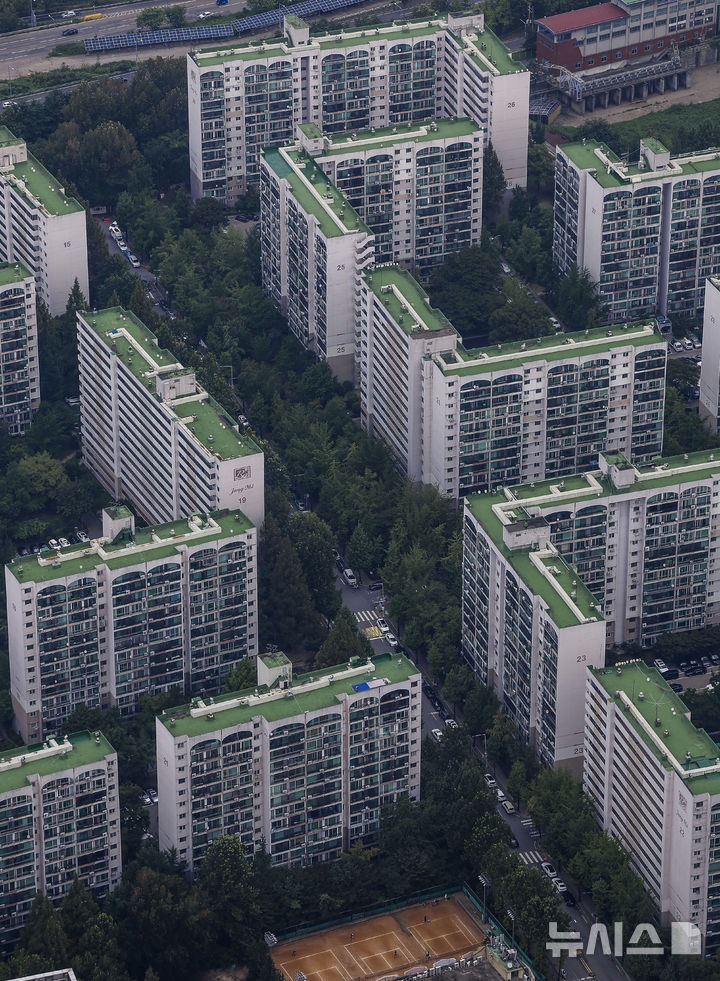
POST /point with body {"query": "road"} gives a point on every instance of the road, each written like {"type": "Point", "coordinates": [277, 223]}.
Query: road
{"type": "Point", "coordinates": [367, 606]}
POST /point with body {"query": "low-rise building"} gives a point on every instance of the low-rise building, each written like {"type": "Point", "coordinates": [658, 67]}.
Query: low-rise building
{"type": "Point", "coordinates": [472, 420]}
{"type": "Point", "coordinates": [40, 226]}
{"type": "Point", "coordinates": [138, 611]}
{"type": "Point", "coordinates": [530, 628]}
{"type": "Point", "coordinates": [300, 766]}
{"type": "Point", "coordinates": [417, 186]}
{"type": "Point", "coordinates": [60, 818]}
{"type": "Point", "coordinates": [646, 232]}
{"type": "Point", "coordinates": [151, 434]}
{"type": "Point", "coordinates": [655, 781]}
{"type": "Point", "coordinates": [20, 368]}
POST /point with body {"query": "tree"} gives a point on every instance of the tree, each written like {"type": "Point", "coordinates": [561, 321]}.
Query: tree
{"type": "Point", "coordinates": [517, 783]}
{"type": "Point", "coordinates": [286, 609]}
{"type": "Point", "coordinates": [152, 18]}
{"type": "Point", "coordinates": [78, 908]}
{"type": "Point", "coordinates": [494, 183]}
{"type": "Point", "coordinates": [176, 16]}
{"type": "Point", "coordinates": [342, 644]}
{"type": "Point", "coordinates": [541, 168]}
{"type": "Point", "coordinates": [242, 676]}
{"type": "Point", "coordinates": [579, 305]}
{"type": "Point", "coordinates": [361, 552]}
{"type": "Point", "coordinates": [313, 541]}
{"type": "Point", "coordinates": [228, 892]}
{"type": "Point", "coordinates": [458, 682]}
{"type": "Point", "coordinates": [42, 933]}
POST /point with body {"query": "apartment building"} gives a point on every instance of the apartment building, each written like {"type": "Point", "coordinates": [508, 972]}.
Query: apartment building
{"type": "Point", "coordinates": [655, 782]}
{"type": "Point", "coordinates": [245, 98]}
{"type": "Point", "coordinates": [301, 766]}
{"type": "Point", "coordinates": [60, 817]}
{"type": "Point", "coordinates": [608, 35]}
{"type": "Point", "coordinates": [67, 974]}
{"type": "Point", "coordinates": [20, 369]}
{"type": "Point", "coordinates": [137, 611]}
{"type": "Point", "coordinates": [530, 627]}
{"type": "Point", "coordinates": [472, 420]}
{"type": "Point", "coordinates": [40, 226]}
{"type": "Point", "coordinates": [417, 186]}
{"type": "Point", "coordinates": [643, 539]}
{"type": "Point", "coordinates": [647, 232]}
{"type": "Point", "coordinates": [314, 246]}
{"type": "Point", "coordinates": [151, 434]}
{"type": "Point", "coordinates": [709, 405]}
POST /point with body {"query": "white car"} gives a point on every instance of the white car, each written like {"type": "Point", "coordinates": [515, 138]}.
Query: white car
{"type": "Point", "coordinates": [559, 884]}
{"type": "Point", "coordinates": [63, 542]}
{"type": "Point", "coordinates": [549, 870]}
{"type": "Point", "coordinates": [204, 14]}
{"type": "Point", "coordinates": [53, 543]}
{"type": "Point", "coordinates": [133, 260]}
{"type": "Point", "coordinates": [120, 242]}
{"type": "Point", "coordinates": [390, 639]}
{"type": "Point", "coordinates": [676, 346]}
{"type": "Point", "coordinates": [437, 734]}
{"type": "Point", "coordinates": [490, 780]}
{"type": "Point", "coordinates": [383, 624]}
{"type": "Point", "coordinates": [500, 795]}
{"type": "Point", "coordinates": [450, 724]}
{"type": "Point", "coordinates": [83, 537]}
{"type": "Point", "coordinates": [508, 807]}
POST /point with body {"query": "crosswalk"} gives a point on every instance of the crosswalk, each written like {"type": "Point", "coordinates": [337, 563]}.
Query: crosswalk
{"type": "Point", "coordinates": [367, 616]}
{"type": "Point", "coordinates": [530, 858]}
{"type": "Point", "coordinates": [372, 632]}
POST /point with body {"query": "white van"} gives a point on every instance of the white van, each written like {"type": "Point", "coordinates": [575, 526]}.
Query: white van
{"type": "Point", "coordinates": [349, 577]}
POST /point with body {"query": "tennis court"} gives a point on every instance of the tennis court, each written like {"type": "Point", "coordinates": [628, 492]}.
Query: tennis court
{"type": "Point", "coordinates": [386, 945]}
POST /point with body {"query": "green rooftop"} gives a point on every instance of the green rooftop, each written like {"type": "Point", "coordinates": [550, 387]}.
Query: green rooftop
{"type": "Point", "coordinates": [86, 749]}
{"type": "Point", "coordinates": [36, 183]}
{"type": "Point", "coordinates": [486, 47]}
{"type": "Point", "coordinates": [212, 426]}
{"type": "Point", "coordinates": [620, 174]}
{"type": "Point", "coordinates": [393, 667]}
{"type": "Point", "coordinates": [315, 193]}
{"type": "Point", "coordinates": [140, 353]}
{"type": "Point", "coordinates": [397, 289]}
{"type": "Point", "coordinates": [512, 355]}
{"type": "Point", "coordinates": [667, 716]}
{"type": "Point", "coordinates": [275, 660]}
{"type": "Point", "coordinates": [383, 136]}
{"type": "Point", "coordinates": [562, 612]}
{"type": "Point", "coordinates": [149, 544]}
{"type": "Point", "coordinates": [294, 21]}
{"type": "Point", "coordinates": [13, 272]}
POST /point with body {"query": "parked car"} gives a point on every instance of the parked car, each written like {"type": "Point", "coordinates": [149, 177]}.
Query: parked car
{"type": "Point", "coordinates": [436, 734]}
{"type": "Point", "coordinates": [390, 639]}
{"type": "Point", "coordinates": [63, 542]}
{"type": "Point", "coordinates": [120, 242]}
{"type": "Point", "coordinates": [705, 661]}
{"type": "Point", "coordinates": [69, 31]}
{"type": "Point", "coordinates": [715, 658]}
{"type": "Point", "coordinates": [375, 587]}
{"type": "Point", "coordinates": [568, 898]}
{"type": "Point", "coordinates": [152, 794]}
{"type": "Point", "coordinates": [83, 537]}
{"type": "Point", "coordinates": [500, 795]}
{"type": "Point", "coordinates": [559, 884]}
{"type": "Point", "coordinates": [676, 687]}
{"type": "Point", "coordinates": [340, 565]}
{"type": "Point", "coordinates": [204, 14]}
{"type": "Point", "coordinates": [24, 551]}
{"type": "Point", "coordinates": [513, 843]}
{"type": "Point", "coordinates": [349, 577]}
{"type": "Point", "coordinates": [53, 543]}
{"type": "Point", "coordinates": [684, 665]}
{"type": "Point", "coordinates": [145, 798]}
{"type": "Point", "coordinates": [549, 870]}
{"type": "Point", "coordinates": [508, 807]}
{"type": "Point", "coordinates": [490, 780]}
{"type": "Point", "coordinates": [450, 724]}
{"type": "Point", "coordinates": [133, 260]}
{"type": "Point", "coordinates": [383, 624]}
{"type": "Point", "coordinates": [336, 556]}
{"type": "Point", "coordinates": [676, 346]}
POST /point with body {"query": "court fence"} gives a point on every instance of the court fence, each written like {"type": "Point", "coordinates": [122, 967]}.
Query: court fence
{"type": "Point", "coordinates": [499, 945]}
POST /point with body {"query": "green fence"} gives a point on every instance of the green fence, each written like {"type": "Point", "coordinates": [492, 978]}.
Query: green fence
{"type": "Point", "coordinates": [499, 930]}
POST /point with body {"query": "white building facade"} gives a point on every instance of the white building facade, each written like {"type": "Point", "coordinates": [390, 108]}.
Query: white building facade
{"type": "Point", "coordinates": [60, 814]}
{"type": "Point", "coordinates": [647, 233]}
{"type": "Point", "coordinates": [249, 97]}
{"type": "Point", "coordinates": [417, 186]}
{"type": "Point", "coordinates": [302, 766]}
{"type": "Point", "coordinates": [151, 434]}
{"type": "Point", "coordinates": [709, 405]}
{"type": "Point", "coordinates": [640, 538]}
{"type": "Point", "coordinates": [40, 226]}
{"type": "Point", "coordinates": [20, 368]}
{"type": "Point", "coordinates": [530, 628]}
{"type": "Point", "coordinates": [655, 782]}
{"type": "Point", "coordinates": [138, 611]}
{"type": "Point", "coordinates": [314, 247]}
{"type": "Point", "coordinates": [468, 422]}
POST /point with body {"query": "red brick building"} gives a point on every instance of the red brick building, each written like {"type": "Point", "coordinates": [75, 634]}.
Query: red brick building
{"type": "Point", "coordinates": [610, 34]}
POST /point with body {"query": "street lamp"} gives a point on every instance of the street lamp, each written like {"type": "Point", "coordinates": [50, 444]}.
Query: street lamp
{"type": "Point", "coordinates": [484, 880]}
{"type": "Point", "coordinates": [484, 738]}
{"type": "Point", "coordinates": [511, 914]}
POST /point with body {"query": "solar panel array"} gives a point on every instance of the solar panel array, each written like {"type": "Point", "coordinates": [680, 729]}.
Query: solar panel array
{"type": "Point", "coordinates": [270, 18]}
{"type": "Point", "coordinates": [145, 39]}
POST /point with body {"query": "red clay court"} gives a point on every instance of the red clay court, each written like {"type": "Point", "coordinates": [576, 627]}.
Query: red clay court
{"type": "Point", "coordinates": [385, 945]}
